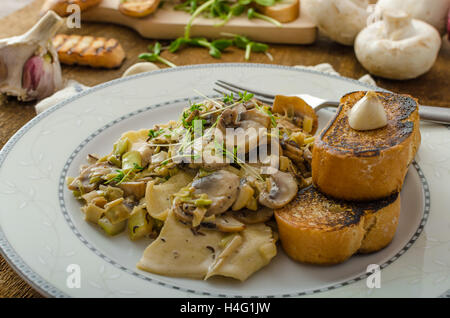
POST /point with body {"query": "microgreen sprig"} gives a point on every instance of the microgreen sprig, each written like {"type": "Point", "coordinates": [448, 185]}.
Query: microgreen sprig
{"type": "Point", "coordinates": [215, 47]}
{"type": "Point", "coordinates": [155, 133]}
{"type": "Point", "coordinates": [246, 44]}
{"type": "Point", "coordinates": [252, 14]}
{"type": "Point", "coordinates": [233, 156]}
{"type": "Point", "coordinates": [154, 55]}
{"type": "Point", "coordinates": [199, 10]}
{"type": "Point", "coordinates": [266, 111]}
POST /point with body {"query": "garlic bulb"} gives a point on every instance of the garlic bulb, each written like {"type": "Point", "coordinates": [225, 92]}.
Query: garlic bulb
{"type": "Point", "coordinates": [397, 47]}
{"type": "Point", "coordinates": [433, 12]}
{"type": "Point", "coordinates": [340, 20]}
{"type": "Point", "coordinates": [29, 66]}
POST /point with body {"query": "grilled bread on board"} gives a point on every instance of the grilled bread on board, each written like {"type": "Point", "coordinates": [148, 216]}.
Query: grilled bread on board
{"type": "Point", "coordinates": [88, 50]}
{"type": "Point", "coordinates": [366, 165]}
{"type": "Point", "coordinates": [62, 7]}
{"type": "Point", "coordinates": [315, 228]}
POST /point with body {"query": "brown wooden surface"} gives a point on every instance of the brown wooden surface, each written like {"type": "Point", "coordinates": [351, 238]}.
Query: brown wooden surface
{"type": "Point", "coordinates": [431, 88]}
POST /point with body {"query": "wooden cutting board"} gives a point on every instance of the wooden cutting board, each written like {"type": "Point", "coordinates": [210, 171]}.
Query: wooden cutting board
{"type": "Point", "coordinates": [167, 23]}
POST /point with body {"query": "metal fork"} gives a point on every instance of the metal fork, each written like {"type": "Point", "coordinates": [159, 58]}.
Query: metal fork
{"type": "Point", "coordinates": [439, 115]}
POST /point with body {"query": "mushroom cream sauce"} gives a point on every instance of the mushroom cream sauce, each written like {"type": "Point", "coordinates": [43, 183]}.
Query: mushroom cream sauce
{"type": "Point", "coordinates": [204, 204]}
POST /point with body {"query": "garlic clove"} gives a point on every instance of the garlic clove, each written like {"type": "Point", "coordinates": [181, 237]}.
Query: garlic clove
{"type": "Point", "coordinates": [38, 77]}
{"type": "Point", "coordinates": [140, 68]}
{"type": "Point", "coordinates": [368, 113]}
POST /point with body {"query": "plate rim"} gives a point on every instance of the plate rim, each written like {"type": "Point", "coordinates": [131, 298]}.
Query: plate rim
{"type": "Point", "coordinates": [46, 289]}
{"type": "Point", "coordinates": [67, 216]}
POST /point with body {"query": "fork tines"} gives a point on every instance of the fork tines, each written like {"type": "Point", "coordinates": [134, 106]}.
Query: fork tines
{"type": "Point", "coordinates": [264, 97]}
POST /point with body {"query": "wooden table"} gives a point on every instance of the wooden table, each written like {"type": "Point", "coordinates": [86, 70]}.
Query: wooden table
{"type": "Point", "coordinates": [432, 88]}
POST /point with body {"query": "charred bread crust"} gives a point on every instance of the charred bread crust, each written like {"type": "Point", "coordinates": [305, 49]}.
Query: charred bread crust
{"type": "Point", "coordinates": [366, 165]}
{"type": "Point", "coordinates": [88, 50]}
{"type": "Point", "coordinates": [315, 228]}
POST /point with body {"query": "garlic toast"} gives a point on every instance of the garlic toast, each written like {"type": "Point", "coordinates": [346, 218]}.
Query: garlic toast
{"type": "Point", "coordinates": [317, 229]}
{"type": "Point", "coordinates": [61, 6]}
{"type": "Point", "coordinates": [283, 11]}
{"type": "Point", "coordinates": [366, 165]}
{"type": "Point", "coordinates": [88, 50]}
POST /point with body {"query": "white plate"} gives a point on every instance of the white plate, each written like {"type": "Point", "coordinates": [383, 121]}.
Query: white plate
{"type": "Point", "coordinates": [42, 231]}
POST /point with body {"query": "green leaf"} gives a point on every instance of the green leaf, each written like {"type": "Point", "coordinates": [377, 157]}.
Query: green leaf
{"type": "Point", "coordinates": [238, 9]}
{"type": "Point", "coordinates": [155, 133]}
{"type": "Point", "coordinates": [199, 42]}
{"type": "Point", "coordinates": [228, 98]}
{"type": "Point", "coordinates": [157, 48]}
{"type": "Point", "coordinates": [259, 47]}
{"type": "Point", "coordinates": [137, 167]}
{"type": "Point", "coordinates": [241, 41]}
{"type": "Point", "coordinates": [150, 57]}
{"type": "Point", "coordinates": [251, 13]}
{"type": "Point", "coordinates": [245, 97]}
{"type": "Point", "coordinates": [222, 44]}
{"type": "Point", "coordinates": [215, 52]}
{"type": "Point", "coordinates": [176, 44]}
{"type": "Point", "coordinates": [265, 3]}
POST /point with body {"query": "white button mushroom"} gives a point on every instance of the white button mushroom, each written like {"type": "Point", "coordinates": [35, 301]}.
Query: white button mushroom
{"type": "Point", "coordinates": [433, 12]}
{"type": "Point", "coordinates": [340, 20]}
{"type": "Point", "coordinates": [398, 47]}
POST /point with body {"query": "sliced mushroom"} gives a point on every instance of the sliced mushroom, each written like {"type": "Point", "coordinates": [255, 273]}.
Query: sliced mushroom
{"type": "Point", "coordinates": [83, 180]}
{"type": "Point", "coordinates": [245, 194]}
{"type": "Point", "coordinates": [227, 223]}
{"type": "Point", "coordinates": [254, 118]}
{"type": "Point", "coordinates": [246, 216]}
{"type": "Point", "coordinates": [230, 117]}
{"type": "Point", "coordinates": [295, 108]}
{"type": "Point", "coordinates": [250, 127]}
{"type": "Point", "coordinates": [293, 152]}
{"type": "Point", "coordinates": [159, 157]}
{"type": "Point", "coordinates": [283, 189]}
{"type": "Point", "coordinates": [221, 187]}
{"type": "Point", "coordinates": [146, 152]}
{"type": "Point", "coordinates": [134, 188]}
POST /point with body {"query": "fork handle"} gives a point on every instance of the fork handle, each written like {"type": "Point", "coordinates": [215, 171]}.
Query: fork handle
{"type": "Point", "coordinates": [439, 115]}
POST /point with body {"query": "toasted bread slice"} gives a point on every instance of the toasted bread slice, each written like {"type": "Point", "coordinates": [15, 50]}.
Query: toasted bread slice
{"type": "Point", "coordinates": [317, 229]}
{"type": "Point", "coordinates": [283, 11]}
{"type": "Point", "coordinates": [88, 50]}
{"type": "Point", "coordinates": [366, 165]}
{"type": "Point", "coordinates": [138, 8]}
{"type": "Point", "coordinates": [60, 6]}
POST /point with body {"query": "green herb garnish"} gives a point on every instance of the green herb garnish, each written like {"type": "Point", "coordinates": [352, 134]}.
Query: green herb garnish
{"type": "Point", "coordinates": [154, 55]}
{"type": "Point", "coordinates": [252, 14]}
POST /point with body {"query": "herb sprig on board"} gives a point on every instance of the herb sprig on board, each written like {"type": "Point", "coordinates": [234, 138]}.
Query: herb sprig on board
{"type": "Point", "coordinates": [224, 10]}
{"type": "Point", "coordinates": [154, 55]}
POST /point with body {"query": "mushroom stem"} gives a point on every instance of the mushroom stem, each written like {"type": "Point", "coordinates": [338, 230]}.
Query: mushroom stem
{"type": "Point", "coordinates": [397, 24]}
